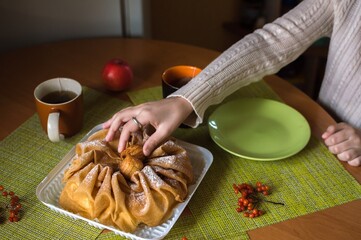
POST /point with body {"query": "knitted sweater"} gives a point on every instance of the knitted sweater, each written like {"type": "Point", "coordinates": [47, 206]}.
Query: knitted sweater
{"type": "Point", "coordinates": [267, 50]}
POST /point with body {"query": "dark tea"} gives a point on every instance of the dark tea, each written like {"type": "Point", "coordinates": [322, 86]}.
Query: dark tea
{"type": "Point", "coordinates": [58, 97]}
{"type": "Point", "coordinates": [178, 83]}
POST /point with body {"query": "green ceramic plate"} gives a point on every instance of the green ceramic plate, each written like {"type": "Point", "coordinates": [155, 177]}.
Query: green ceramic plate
{"type": "Point", "coordinates": [259, 129]}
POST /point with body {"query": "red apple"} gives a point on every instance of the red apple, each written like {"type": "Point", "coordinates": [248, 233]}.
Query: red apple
{"type": "Point", "coordinates": [117, 75]}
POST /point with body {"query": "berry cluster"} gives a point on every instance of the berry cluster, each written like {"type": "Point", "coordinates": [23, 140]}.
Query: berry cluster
{"type": "Point", "coordinates": [249, 199]}
{"type": "Point", "coordinates": [13, 206]}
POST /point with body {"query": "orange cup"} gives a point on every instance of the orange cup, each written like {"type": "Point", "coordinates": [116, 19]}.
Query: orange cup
{"type": "Point", "coordinates": [175, 77]}
{"type": "Point", "coordinates": [59, 103]}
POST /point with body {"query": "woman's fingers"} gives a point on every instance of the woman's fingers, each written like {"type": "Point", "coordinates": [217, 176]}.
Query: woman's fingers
{"type": "Point", "coordinates": [156, 139]}
{"type": "Point", "coordinates": [355, 162]}
{"type": "Point", "coordinates": [164, 115]}
{"type": "Point", "coordinates": [344, 141]}
{"type": "Point", "coordinates": [116, 122]}
{"type": "Point", "coordinates": [329, 131]}
{"type": "Point", "coordinates": [127, 129]}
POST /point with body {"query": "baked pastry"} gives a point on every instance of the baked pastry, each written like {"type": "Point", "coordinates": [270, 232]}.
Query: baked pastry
{"type": "Point", "coordinates": [127, 189]}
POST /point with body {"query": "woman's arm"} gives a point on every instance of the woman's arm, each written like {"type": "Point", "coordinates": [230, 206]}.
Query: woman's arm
{"type": "Point", "coordinates": [261, 53]}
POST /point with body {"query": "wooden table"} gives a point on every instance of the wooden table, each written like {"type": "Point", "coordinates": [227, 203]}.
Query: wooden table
{"type": "Point", "coordinates": [22, 70]}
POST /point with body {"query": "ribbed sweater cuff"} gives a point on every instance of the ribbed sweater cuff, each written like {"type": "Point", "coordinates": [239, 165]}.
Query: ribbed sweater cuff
{"type": "Point", "coordinates": [193, 94]}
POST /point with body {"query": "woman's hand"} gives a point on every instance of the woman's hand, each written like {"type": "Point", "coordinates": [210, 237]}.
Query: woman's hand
{"type": "Point", "coordinates": [164, 115]}
{"type": "Point", "coordinates": [345, 142]}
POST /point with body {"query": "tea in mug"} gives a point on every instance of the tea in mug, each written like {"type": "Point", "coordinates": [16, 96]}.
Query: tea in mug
{"type": "Point", "coordinates": [58, 97]}
{"type": "Point", "coordinates": [178, 83]}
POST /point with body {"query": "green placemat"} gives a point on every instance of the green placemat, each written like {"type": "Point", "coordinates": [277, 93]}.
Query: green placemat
{"type": "Point", "coordinates": [307, 182]}
{"type": "Point", "coordinates": [27, 156]}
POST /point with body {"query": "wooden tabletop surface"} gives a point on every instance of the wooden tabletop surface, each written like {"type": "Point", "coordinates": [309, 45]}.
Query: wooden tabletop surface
{"type": "Point", "coordinates": [22, 70]}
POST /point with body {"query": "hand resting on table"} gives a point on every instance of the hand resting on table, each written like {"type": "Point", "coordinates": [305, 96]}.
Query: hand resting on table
{"type": "Point", "coordinates": [345, 142]}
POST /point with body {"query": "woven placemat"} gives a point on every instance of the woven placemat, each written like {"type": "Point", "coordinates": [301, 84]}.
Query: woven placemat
{"type": "Point", "coordinates": [307, 182]}
{"type": "Point", "coordinates": [27, 156]}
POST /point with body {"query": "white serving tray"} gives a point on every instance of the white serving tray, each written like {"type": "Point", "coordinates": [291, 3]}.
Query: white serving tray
{"type": "Point", "coordinates": [48, 191]}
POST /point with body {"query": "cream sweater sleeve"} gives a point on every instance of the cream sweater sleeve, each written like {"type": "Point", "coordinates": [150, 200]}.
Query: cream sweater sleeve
{"type": "Point", "coordinates": [261, 53]}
